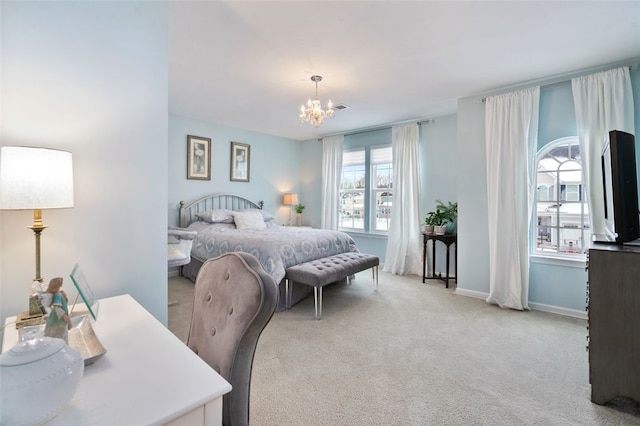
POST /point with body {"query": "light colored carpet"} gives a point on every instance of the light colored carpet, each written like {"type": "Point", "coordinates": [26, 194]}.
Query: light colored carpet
{"type": "Point", "coordinates": [416, 354]}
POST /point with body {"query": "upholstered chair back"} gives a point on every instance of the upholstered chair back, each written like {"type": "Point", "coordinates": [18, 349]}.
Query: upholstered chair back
{"type": "Point", "coordinates": [234, 301]}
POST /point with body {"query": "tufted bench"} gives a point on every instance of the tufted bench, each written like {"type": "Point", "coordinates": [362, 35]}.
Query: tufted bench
{"type": "Point", "coordinates": [320, 272]}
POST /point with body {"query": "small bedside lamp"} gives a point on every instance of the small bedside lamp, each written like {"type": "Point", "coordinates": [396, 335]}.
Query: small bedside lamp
{"type": "Point", "coordinates": [35, 179]}
{"type": "Point", "coordinates": [290, 199]}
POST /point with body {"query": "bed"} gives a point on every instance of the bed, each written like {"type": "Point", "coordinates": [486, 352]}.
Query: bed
{"type": "Point", "coordinates": [227, 223]}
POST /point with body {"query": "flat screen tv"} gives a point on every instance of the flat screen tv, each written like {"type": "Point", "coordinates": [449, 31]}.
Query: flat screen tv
{"type": "Point", "coordinates": [620, 181]}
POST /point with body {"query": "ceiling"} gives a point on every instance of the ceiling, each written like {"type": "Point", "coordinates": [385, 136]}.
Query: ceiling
{"type": "Point", "coordinates": [249, 64]}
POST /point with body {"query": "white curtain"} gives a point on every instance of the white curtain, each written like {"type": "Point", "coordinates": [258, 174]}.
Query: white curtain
{"type": "Point", "coordinates": [403, 246]}
{"type": "Point", "coordinates": [511, 126]}
{"type": "Point", "coordinates": [331, 171]}
{"type": "Point", "coordinates": [603, 102]}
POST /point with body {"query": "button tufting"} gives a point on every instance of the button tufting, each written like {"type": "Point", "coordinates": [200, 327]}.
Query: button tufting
{"type": "Point", "coordinates": [230, 310]}
{"type": "Point", "coordinates": [227, 276]}
{"type": "Point", "coordinates": [213, 331]}
{"type": "Point", "coordinates": [209, 297]}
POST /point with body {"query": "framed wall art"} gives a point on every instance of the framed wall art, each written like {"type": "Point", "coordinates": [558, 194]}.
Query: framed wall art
{"type": "Point", "coordinates": [240, 161]}
{"type": "Point", "coordinates": [84, 291]}
{"type": "Point", "coordinates": [198, 158]}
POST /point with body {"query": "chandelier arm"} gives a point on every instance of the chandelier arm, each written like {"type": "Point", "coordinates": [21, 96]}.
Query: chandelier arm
{"type": "Point", "coordinates": [314, 113]}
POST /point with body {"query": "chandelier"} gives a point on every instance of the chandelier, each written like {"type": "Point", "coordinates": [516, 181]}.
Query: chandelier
{"type": "Point", "coordinates": [313, 112]}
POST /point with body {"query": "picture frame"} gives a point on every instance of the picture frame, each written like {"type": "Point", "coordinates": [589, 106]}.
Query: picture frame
{"type": "Point", "coordinates": [198, 158]}
{"type": "Point", "coordinates": [85, 291]}
{"type": "Point", "coordinates": [240, 162]}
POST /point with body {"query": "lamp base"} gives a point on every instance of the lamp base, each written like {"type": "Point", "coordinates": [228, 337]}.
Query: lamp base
{"type": "Point", "coordinates": [25, 319]}
{"type": "Point", "coordinates": [35, 305]}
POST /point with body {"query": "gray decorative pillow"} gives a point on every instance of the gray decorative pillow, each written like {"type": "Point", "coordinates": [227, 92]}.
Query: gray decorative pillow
{"type": "Point", "coordinates": [216, 216]}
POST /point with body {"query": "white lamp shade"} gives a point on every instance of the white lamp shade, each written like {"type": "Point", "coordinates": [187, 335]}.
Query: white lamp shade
{"type": "Point", "coordinates": [290, 199]}
{"type": "Point", "coordinates": [35, 178]}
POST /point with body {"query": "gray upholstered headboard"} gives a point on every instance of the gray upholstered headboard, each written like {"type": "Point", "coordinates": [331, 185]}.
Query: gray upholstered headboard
{"type": "Point", "coordinates": [189, 210]}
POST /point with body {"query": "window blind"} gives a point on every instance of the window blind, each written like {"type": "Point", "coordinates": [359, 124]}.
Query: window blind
{"type": "Point", "coordinates": [381, 155]}
{"type": "Point", "coordinates": [353, 158]}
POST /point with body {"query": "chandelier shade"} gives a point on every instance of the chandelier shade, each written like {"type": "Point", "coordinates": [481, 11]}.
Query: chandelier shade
{"type": "Point", "coordinates": [313, 112]}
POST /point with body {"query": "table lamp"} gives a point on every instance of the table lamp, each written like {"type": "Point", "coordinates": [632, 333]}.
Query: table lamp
{"type": "Point", "coordinates": [290, 199]}
{"type": "Point", "coordinates": [35, 179]}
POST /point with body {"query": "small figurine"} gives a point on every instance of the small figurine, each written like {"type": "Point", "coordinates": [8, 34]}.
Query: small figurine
{"type": "Point", "coordinates": [59, 321]}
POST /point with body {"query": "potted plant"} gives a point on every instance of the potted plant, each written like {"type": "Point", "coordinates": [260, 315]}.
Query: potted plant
{"type": "Point", "coordinates": [427, 227]}
{"type": "Point", "coordinates": [439, 222]}
{"type": "Point", "coordinates": [449, 211]}
{"type": "Point", "coordinates": [433, 220]}
{"type": "Point", "coordinates": [299, 208]}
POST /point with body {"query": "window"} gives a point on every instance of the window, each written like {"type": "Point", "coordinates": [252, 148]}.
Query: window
{"type": "Point", "coordinates": [562, 215]}
{"type": "Point", "coordinates": [366, 190]}
{"type": "Point", "coordinates": [352, 189]}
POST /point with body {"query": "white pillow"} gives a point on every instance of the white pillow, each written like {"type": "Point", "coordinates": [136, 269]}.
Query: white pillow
{"type": "Point", "coordinates": [265, 214]}
{"type": "Point", "coordinates": [248, 220]}
{"type": "Point", "coordinates": [216, 216]}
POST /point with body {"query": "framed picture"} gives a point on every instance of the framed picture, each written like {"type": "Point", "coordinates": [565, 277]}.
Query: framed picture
{"type": "Point", "coordinates": [85, 292]}
{"type": "Point", "coordinates": [240, 161]}
{"type": "Point", "coordinates": [198, 158]}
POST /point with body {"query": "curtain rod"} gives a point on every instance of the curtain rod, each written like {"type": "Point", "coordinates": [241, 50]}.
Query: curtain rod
{"type": "Point", "coordinates": [385, 127]}
{"type": "Point", "coordinates": [555, 83]}
{"type": "Point", "coordinates": [375, 129]}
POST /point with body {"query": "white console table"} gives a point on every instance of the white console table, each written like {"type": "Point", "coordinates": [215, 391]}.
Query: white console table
{"type": "Point", "coordinates": [148, 376]}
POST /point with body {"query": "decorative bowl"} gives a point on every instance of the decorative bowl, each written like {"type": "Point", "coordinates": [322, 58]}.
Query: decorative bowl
{"type": "Point", "coordinates": [39, 376]}
{"type": "Point", "coordinates": [83, 339]}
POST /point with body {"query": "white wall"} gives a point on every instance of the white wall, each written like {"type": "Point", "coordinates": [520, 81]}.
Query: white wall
{"type": "Point", "coordinates": [90, 78]}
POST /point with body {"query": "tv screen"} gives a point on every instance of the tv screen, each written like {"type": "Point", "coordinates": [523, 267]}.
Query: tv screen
{"type": "Point", "coordinates": [620, 183]}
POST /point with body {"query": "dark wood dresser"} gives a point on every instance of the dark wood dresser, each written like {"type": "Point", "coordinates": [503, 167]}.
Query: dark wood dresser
{"type": "Point", "coordinates": [614, 322]}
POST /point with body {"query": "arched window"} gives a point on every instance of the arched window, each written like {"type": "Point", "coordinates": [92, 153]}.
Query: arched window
{"type": "Point", "coordinates": [562, 221]}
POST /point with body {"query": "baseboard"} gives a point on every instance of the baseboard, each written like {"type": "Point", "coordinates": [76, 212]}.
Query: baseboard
{"type": "Point", "coordinates": [471, 293]}
{"type": "Point", "coordinates": [574, 313]}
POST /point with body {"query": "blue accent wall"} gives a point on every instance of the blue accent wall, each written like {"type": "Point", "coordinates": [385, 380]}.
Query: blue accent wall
{"type": "Point", "coordinates": [438, 163]}
{"type": "Point", "coordinates": [557, 113]}
{"type": "Point", "coordinates": [274, 166]}
{"type": "Point", "coordinates": [553, 284]}
{"type": "Point", "coordinates": [562, 287]}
